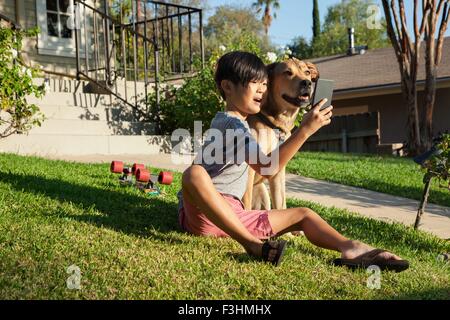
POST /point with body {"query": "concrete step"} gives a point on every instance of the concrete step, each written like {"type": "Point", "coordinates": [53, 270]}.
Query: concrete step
{"type": "Point", "coordinates": [45, 145]}
{"type": "Point", "coordinates": [85, 100]}
{"type": "Point", "coordinates": [63, 85]}
{"type": "Point", "coordinates": [62, 99]}
{"type": "Point", "coordinates": [92, 127]}
{"type": "Point", "coordinates": [102, 113]}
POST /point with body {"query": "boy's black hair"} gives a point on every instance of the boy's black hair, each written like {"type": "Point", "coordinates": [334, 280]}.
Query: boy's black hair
{"type": "Point", "coordinates": [240, 68]}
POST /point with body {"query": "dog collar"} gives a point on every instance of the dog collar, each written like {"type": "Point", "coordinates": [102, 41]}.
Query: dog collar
{"type": "Point", "coordinates": [280, 132]}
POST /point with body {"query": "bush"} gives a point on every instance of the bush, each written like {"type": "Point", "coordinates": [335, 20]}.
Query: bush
{"type": "Point", "coordinates": [438, 165]}
{"type": "Point", "coordinates": [16, 82]}
{"type": "Point", "coordinates": [198, 99]}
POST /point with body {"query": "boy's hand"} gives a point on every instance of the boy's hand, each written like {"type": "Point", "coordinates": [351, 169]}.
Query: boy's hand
{"type": "Point", "coordinates": [316, 119]}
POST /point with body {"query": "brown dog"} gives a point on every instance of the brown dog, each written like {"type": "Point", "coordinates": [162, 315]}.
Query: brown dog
{"type": "Point", "coordinates": [289, 90]}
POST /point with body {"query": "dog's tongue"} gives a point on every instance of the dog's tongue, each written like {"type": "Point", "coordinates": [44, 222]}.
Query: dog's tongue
{"type": "Point", "coordinates": [303, 98]}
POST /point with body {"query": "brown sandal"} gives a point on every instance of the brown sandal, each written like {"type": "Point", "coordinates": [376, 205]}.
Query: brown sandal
{"type": "Point", "coordinates": [373, 258]}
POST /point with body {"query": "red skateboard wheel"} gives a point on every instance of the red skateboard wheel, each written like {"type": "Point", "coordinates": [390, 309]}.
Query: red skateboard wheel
{"type": "Point", "coordinates": [137, 166]}
{"type": "Point", "coordinates": [142, 175]}
{"type": "Point", "coordinates": [165, 177]}
{"type": "Point", "coordinates": [117, 166]}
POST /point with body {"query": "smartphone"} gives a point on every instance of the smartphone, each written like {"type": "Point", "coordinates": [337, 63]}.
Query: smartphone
{"type": "Point", "coordinates": [323, 89]}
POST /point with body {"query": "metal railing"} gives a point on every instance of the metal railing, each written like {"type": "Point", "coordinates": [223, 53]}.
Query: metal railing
{"type": "Point", "coordinates": [14, 25]}
{"type": "Point", "coordinates": [129, 48]}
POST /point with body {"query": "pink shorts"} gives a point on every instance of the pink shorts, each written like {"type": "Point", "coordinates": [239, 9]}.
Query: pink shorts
{"type": "Point", "coordinates": [195, 222]}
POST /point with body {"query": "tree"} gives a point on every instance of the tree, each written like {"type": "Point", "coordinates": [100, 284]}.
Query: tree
{"type": "Point", "coordinates": [407, 50]}
{"type": "Point", "coordinates": [237, 19]}
{"type": "Point", "coordinates": [333, 37]}
{"type": "Point", "coordinates": [301, 48]}
{"type": "Point", "coordinates": [348, 14]}
{"type": "Point", "coordinates": [267, 17]}
{"type": "Point", "coordinates": [316, 20]}
{"type": "Point", "coordinates": [227, 25]}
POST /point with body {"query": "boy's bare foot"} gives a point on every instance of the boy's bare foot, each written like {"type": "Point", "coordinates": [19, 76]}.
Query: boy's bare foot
{"type": "Point", "coordinates": [254, 248]}
{"type": "Point", "coordinates": [356, 255]}
{"type": "Point", "coordinates": [354, 249]}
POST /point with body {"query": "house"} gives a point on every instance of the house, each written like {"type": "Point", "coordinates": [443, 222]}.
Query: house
{"type": "Point", "coordinates": [367, 89]}
{"type": "Point", "coordinates": [101, 59]}
{"type": "Point", "coordinates": [54, 49]}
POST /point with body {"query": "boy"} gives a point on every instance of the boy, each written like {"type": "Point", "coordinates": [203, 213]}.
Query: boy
{"type": "Point", "coordinates": [210, 199]}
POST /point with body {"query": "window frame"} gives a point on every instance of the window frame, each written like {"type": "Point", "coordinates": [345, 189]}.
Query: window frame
{"type": "Point", "coordinates": [51, 45]}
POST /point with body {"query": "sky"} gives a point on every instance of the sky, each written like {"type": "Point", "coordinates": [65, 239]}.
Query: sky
{"type": "Point", "coordinates": [294, 18]}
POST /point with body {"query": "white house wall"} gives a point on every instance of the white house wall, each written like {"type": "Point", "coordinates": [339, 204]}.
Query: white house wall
{"type": "Point", "coordinates": [7, 8]}
{"type": "Point", "coordinates": [28, 19]}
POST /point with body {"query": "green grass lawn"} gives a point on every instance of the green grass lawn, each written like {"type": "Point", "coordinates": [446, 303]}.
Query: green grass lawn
{"type": "Point", "coordinates": [392, 175]}
{"type": "Point", "coordinates": [55, 214]}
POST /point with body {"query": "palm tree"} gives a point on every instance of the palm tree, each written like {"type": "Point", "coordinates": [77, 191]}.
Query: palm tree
{"type": "Point", "coordinates": [267, 17]}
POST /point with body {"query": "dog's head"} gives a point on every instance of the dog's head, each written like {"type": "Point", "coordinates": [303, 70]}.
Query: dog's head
{"type": "Point", "coordinates": [290, 83]}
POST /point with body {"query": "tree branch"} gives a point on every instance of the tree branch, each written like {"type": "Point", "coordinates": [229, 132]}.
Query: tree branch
{"type": "Point", "coordinates": [405, 27]}
{"type": "Point", "coordinates": [426, 11]}
{"type": "Point", "coordinates": [390, 29]}
{"type": "Point", "coordinates": [419, 32]}
{"type": "Point", "coordinates": [441, 3]}
{"type": "Point", "coordinates": [442, 30]}
{"type": "Point", "coordinates": [8, 131]}
{"type": "Point", "coordinates": [431, 42]}
{"type": "Point", "coordinates": [416, 27]}
{"type": "Point", "coordinates": [397, 23]}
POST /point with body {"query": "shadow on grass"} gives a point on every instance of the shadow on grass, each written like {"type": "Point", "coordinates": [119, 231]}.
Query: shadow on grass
{"type": "Point", "coordinates": [132, 214]}
{"type": "Point", "coordinates": [372, 231]}
{"type": "Point", "coordinates": [354, 157]}
{"type": "Point", "coordinates": [428, 294]}
{"type": "Point", "coordinates": [126, 213]}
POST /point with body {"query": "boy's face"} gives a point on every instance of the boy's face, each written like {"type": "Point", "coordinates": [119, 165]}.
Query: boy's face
{"type": "Point", "coordinates": [248, 99]}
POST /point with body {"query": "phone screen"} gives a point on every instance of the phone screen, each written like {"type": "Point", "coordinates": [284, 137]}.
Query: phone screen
{"type": "Point", "coordinates": [323, 89]}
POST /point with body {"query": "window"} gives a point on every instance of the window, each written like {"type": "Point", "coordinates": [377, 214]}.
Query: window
{"type": "Point", "coordinates": [57, 18]}
{"type": "Point", "coordinates": [54, 18]}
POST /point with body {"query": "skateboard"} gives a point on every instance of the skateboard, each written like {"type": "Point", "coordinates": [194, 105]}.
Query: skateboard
{"type": "Point", "coordinates": [140, 177]}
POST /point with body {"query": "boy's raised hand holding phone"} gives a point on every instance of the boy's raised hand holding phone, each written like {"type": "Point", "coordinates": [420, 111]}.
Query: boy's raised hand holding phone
{"type": "Point", "coordinates": [316, 118]}
{"type": "Point", "coordinates": [312, 121]}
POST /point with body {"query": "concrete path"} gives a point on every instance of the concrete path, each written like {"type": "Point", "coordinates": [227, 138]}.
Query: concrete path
{"type": "Point", "coordinates": [371, 204]}
{"type": "Point", "coordinates": [367, 203]}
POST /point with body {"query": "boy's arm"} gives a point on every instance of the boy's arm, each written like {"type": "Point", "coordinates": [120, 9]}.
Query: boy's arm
{"type": "Point", "coordinates": [312, 121]}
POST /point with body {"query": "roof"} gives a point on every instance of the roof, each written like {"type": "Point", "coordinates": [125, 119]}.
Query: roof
{"type": "Point", "coordinates": [378, 67]}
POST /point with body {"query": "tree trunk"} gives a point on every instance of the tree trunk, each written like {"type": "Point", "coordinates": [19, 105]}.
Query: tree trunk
{"type": "Point", "coordinates": [430, 84]}
{"type": "Point", "coordinates": [267, 19]}
{"type": "Point", "coordinates": [423, 203]}
{"type": "Point", "coordinates": [410, 97]}
{"type": "Point", "coordinates": [316, 20]}
{"type": "Point", "coordinates": [430, 97]}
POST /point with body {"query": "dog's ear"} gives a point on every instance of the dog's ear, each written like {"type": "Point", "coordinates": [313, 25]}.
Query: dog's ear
{"type": "Point", "coordinates": [314, 71]}
{"type": "Point", "coordinates": [271, 68]}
